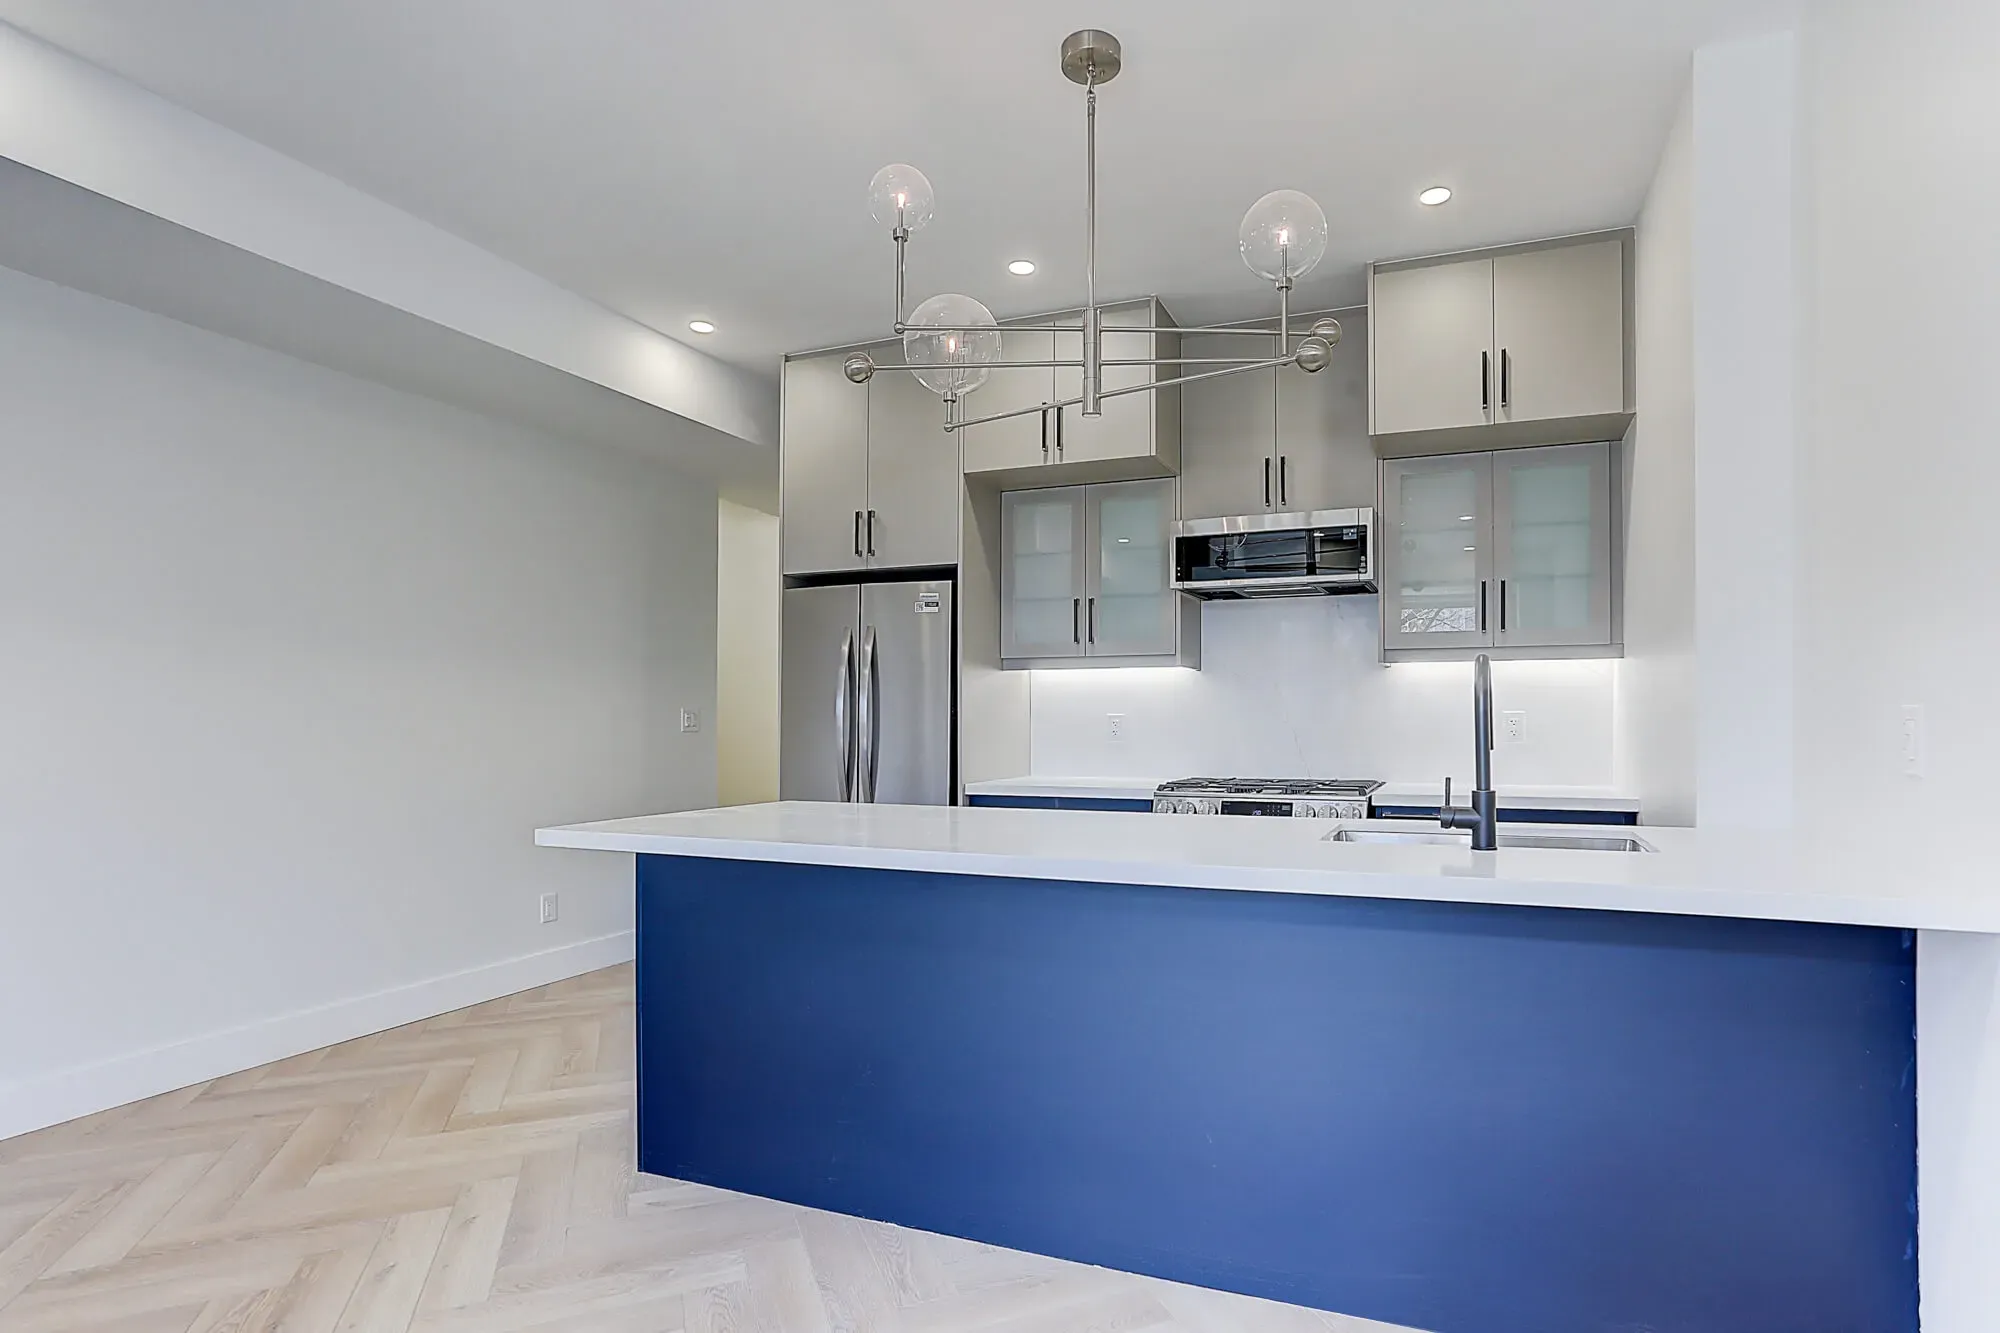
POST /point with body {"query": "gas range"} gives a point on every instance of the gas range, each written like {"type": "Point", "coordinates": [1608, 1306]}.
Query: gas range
{"type": "Point", "coordinates": [1310, 798]}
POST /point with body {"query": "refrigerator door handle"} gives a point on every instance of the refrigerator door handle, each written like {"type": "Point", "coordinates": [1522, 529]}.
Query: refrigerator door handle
{"type": "Point", "coordinates": [870, 710]}
{"type": "Point", "coordinates": [841, 721]}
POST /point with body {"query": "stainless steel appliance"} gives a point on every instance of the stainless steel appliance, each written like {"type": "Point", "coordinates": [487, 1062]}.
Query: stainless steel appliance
{"type": "Point", "coordinates": [1306, 798]}
{"type": "Point", "coordinates": [1324, 552]}
{"type": "Point", "coordinates": [867, 694]}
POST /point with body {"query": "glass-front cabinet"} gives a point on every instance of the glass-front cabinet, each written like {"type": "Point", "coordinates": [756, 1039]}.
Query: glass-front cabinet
{"type": "Point", "coordinates": [1510, 551]}
{"type": "Point", "coordinates": [1552, 546]}
{"type": "Point", "coordinates": [1087, 578]}
{"type": "Point", "coordinates": [1129, 610]}
{"type": "Point", "coordinates": [1436, 556]}
{"type": "Point", "coordinates": [1043, 552]}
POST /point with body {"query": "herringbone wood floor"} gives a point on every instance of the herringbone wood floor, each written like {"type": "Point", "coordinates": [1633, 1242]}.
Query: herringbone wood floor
{"type": "Point", "coordinates": [473, 1174]}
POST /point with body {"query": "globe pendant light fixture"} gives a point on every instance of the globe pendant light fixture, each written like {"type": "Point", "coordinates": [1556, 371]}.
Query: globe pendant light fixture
{"type": "Point", "coordinates": [951, 342]}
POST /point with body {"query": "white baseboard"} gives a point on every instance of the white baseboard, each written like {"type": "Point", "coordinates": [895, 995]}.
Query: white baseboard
{"type": "Point", "coordinates": [80, 1090]}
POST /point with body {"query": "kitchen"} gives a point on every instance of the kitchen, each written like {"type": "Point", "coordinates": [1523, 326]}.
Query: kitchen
{"type": "Point", "coordinates": [1344, 557]}
{"type": "Point", "coordinates": [1324, 679]}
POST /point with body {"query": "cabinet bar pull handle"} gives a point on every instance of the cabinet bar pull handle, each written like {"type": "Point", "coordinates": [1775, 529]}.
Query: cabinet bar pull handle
{"type": "Point", "coordinates": [1093, 620]}
{"type": "Point", "coordinates": [1059, 434]}
{"type": "Point", "coordinates": [857, 533]}
{"type": "Point", "coordinates": [1482, 606]}
{"type": "Point", "coordinates": [1267, 483]}
{"type": "Point", "coordinates": [1075, 610]}
{"type": "Point", "coordinates": [1506, 400]}
{"type": "Point", "coordinates": [871, 532]}
{"type": "Point", "coordinates": [1284, 461]}
{"type": "Point", "coordinates": [1503, 606]}
{"type": "Point", "coordinates": [1486, 381]}
{"type": "Point", "coordinates": [1045, 432]}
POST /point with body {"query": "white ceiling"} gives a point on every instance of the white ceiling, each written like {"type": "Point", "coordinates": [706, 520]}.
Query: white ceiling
{"type": "Point", "coordinates": [678, 159]}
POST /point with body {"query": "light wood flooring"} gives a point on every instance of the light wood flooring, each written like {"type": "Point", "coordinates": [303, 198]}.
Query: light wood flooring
{"type": "Point", "coordinates": [473, 1174]}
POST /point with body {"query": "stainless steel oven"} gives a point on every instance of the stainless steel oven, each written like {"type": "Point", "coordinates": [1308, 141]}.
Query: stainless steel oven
{"type": "Point", "coordinates": [1325, 552]}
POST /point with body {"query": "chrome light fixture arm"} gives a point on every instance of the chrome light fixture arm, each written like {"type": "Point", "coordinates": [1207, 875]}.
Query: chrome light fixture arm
{"type": "Point", "coordinates": [952, 342]}
{"type": "Point", "coordinates": [1269, 364]}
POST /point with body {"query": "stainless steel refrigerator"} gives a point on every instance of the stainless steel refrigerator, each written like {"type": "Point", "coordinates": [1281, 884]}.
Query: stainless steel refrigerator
{"type": "Point", "coordinates": [868, 693]}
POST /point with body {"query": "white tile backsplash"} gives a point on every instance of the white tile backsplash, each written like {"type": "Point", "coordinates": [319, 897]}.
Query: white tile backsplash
{"type": "Point", "coordinates": [1293, 689]}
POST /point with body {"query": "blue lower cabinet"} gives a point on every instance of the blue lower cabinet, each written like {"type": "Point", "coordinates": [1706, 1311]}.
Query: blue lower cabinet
{"type": "Point", "coordinates": [1060, 803]}
{"type": "Point", "coordinates": [1454, 1117]}
{"type": "Point", "coordinates": [1507, 816]}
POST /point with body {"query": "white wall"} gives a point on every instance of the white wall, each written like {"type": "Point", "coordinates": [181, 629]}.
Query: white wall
{"type": "Point", "coordinates": [1293, 689]}
{"type": "Point", "coordinates": [1746, 448]}
{"type": "Point", "coordinates": [747, 611]}
{"type": "Point", "coordinates": [1899, 598]}
{"type": "Point", "coordinates": [291, 667]}
{"type": "Point", "coordinates": [1656, 680]}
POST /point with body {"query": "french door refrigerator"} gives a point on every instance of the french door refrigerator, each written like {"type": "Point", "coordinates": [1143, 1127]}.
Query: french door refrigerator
{"type": "Point", "coordinates": [867, 698]}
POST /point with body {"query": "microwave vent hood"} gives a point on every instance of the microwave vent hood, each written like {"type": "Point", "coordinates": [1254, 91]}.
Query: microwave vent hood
{"type": "Point", "coordinates": [1325, 553]}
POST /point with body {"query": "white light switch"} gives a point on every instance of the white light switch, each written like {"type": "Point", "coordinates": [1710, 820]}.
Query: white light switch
{"type": "Point", "coordinates": [548, 908]}
{"type": "Point", "coordinates": [1913, 740]}
{"type": "Point", "coordinates": [690, 720]}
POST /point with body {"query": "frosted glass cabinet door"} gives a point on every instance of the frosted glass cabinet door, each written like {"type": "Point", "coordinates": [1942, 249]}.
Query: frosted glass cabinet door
{"type": "Point", "coordinates": [1042, 572]}
{"type": "Point", "coordinates": [1552, 546]}
{"type": "Point", "coordinates": [1129, 600]}
{"type": "Point", "coordinates": [1437, 568]}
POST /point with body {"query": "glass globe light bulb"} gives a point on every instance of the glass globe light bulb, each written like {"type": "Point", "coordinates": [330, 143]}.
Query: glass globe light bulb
{"type": "Point", "coordinates": [935, 335]}
{"type": "Point", "coordinates": [1283, 235]}
{"type": "Point", "coordinates": [900, 196]}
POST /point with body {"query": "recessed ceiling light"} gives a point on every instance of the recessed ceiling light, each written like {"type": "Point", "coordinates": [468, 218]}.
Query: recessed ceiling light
{"type": "Point", "coordinates": [1434, 196]}
{"type": "Point", "coordinates": [1021, 268]}
{"type": "Point", "coordinates": [701, 326]}
{"type": "Point", "coordinates": [1472, 548]}
{"type": "Point", "coordinates": [1466, 518]}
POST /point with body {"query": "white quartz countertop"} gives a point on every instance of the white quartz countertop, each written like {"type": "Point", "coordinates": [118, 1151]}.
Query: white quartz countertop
{"type": "Point", "coordinates": [1513, 797]}
{"type": "Point", "coordinates": [1701, 873]}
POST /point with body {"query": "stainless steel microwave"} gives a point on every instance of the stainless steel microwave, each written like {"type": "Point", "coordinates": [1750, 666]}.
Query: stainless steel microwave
{"type": "Point", "coordinates": [1328, 551]}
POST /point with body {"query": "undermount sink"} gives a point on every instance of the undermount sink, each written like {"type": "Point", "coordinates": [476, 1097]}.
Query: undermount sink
{"type": "Point", "coordinates": [1449, 838]}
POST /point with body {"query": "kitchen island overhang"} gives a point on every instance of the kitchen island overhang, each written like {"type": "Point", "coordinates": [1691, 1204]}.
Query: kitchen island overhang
{"type": "Point", "coordinates": [1440, 1113]}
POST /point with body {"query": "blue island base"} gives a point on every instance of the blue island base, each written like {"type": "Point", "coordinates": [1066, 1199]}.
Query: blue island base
{"type": "Point", "coordinates": [1465, 1119]}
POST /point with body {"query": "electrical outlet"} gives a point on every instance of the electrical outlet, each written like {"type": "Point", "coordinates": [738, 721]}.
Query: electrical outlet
{"type": "Point", "coordinates": [1114, 726]}
{"type": "Point", "coordinates": [548, 908]}
{"type": "Point", "coordinates": [1913, 740]}
{"type": "Point", "coordinates": [1513, 726]}
{"type": "Point", "coordinates": [690, 721]}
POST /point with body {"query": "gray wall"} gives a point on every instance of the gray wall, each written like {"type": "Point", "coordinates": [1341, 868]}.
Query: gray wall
{"type": "Point", "coordinates": [291, 667]}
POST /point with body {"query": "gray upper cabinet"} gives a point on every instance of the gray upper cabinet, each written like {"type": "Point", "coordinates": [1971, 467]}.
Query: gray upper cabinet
{"type": "Point", "coordinates": [868, 476]}
{"type": "Point", "coordinates": [1512, 552]}
{"type": "Point", "coordinates": [1323, 452]}
{"type": "Point", "coordinates": [1277, 441]}
{"type": "Point", "coordinates": [1087, 578]}
{"type": "Point", "coordinates": [1018, 442]}
{"type": "Point", "coordinates": [823, 473]}
{"type": "Point", "coordinates": [1125, 429]}
{"type": "Point", "coordinates": [1517, 347]}
{"type": "Point", "coordinates": [913, 477]}
{"type": "Point", "coordinates": [1559, 325]}
{"type": "Point", "coordinates": [1136, 435]}
{"type": "Point", "coordinates": [1433, 347]}
{"type": "Point", "coordinates": [1228, 426]}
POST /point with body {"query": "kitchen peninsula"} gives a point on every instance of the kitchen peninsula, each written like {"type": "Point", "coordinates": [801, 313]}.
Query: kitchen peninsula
{"type": "Point", "coordinates": [1532, 1089]}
